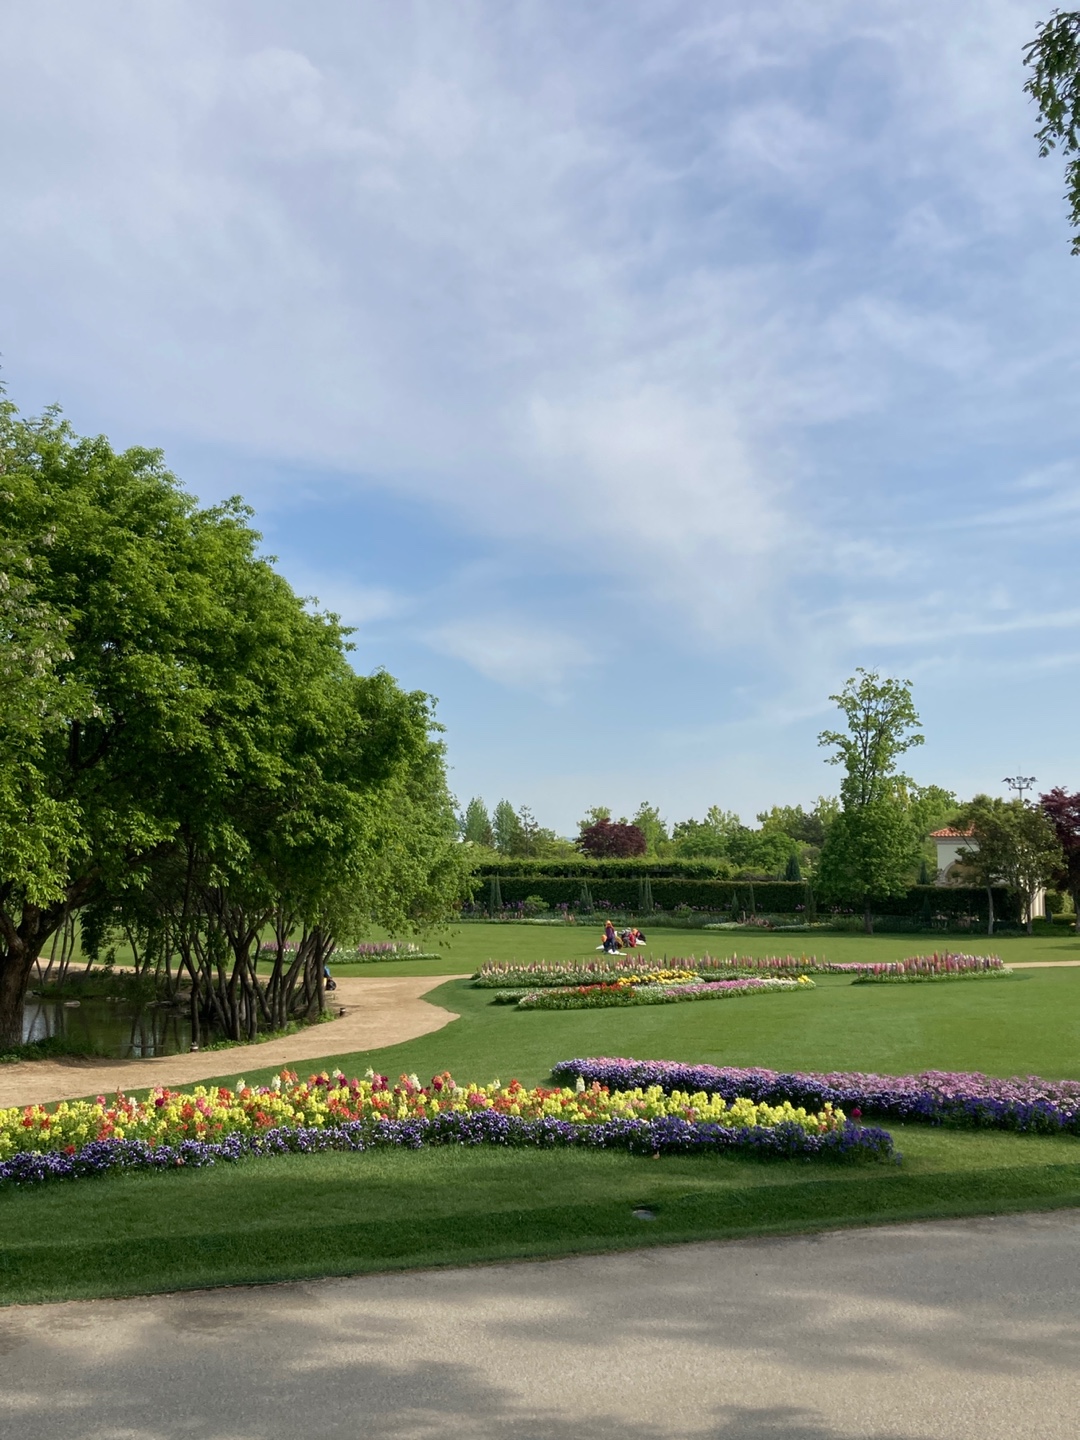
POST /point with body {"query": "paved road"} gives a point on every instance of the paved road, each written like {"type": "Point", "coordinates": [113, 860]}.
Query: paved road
{"type": "Point", "coordinates": [945, 1331]}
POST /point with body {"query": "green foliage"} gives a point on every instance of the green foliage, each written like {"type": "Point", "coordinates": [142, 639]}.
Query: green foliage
{"type": "Point", "coordinates": [708, 837]}
{"type": "Point", "coordinates": [868, 854]}
{"type": "Point", "coordinates": [805, 827]}
{"type": "Point", "coordinates": [931, 808]}
{"type": "Point", "coordinates": [592, 815]}
{"type": "Point", "coordinates": [1016, 844]}
{"type": "Point", "coordinates": [872, 846]}
{"type": "Point", "coordinates": [762, 852]}
{"type": "Point", "coordinates": [649, 821]}
{"type": "Point", "coordinates": [212, 760]}
{"type": "Point", "coordinates": [1054, 84]}
{"type": "Point", "coordinates": [476, 824]}
{"type": "Point", "coordinates": [881, 726]}
{"type": "Point", "coordinates": [507, 829]}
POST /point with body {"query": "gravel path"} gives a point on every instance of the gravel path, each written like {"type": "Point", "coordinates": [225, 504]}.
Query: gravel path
{"type": "Point", "coordinates": [378, 1011]}
{"type": "Point", "coordinates": [953, 1330]}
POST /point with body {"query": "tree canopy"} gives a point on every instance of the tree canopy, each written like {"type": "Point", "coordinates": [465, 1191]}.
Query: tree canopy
{"type": "Point", "coordinates": [612, 839]}
{"type": "Point", "coordinates": [1015, 846]}
{"type": "Point", "coordinates": [188, 751]}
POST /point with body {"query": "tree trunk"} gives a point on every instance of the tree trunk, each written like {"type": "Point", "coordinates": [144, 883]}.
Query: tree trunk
{"type": "Point", "coordinates": [868, 920]}
{"type": "Point", "coordinates": [989, 911]}
{"type": "Point", "coordinates": [15, 966]}
{"type": "Point", "coordinates": [1076, 910]}
{"type": "Point", "coordinates": [17, 956]}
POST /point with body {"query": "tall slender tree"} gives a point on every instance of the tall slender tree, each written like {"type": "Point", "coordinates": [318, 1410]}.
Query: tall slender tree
{"type": "Point", "coordinates": [871, 848]}
{"type": "Point", "coordinates": [476, 824]}
{"type": "Point", "coordinates": [506, 826]}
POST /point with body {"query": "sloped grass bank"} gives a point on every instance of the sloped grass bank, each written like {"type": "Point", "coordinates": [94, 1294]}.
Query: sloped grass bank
{"type": "Point", "coordinates": [302, 1216]}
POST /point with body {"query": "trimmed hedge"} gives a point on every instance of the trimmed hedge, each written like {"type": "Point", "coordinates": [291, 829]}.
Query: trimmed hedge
{"type": "Point", "coordinates": [763, 897]}
{"type": "Point", "coordinates": [582, 868]}
{"type": "Point", "coordinates": [719, 896]}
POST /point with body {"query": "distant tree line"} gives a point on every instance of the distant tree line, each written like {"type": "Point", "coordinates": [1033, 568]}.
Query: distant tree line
{"type": "Point", "coordinates": [869, 844]}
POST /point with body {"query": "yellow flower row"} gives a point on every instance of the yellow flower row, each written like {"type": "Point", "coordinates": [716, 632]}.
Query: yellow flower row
{"type": "Point", "coordinates": [210, 1113]}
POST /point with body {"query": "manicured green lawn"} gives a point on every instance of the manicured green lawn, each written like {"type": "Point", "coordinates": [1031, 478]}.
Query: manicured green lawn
{"type": "Point", "coordinates": [300, 1216]}
{"type": "Point", "coordinates": [469, 946]}
{"type": "Point", "coordinates": [337, 1214]}
{"type": "Point", "coordinates": [1027, 1024]}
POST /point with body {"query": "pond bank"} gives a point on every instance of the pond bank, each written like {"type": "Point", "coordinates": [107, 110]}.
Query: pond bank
{"type": "Point", "coordinates": [379, 1011]}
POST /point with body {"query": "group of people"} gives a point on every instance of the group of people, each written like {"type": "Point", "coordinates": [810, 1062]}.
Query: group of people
{"type": "Point", "coordinates": [615, 940]}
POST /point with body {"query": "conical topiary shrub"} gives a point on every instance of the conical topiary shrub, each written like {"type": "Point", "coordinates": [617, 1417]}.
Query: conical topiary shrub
{"type": "Point", "coordinates": [495, 900]}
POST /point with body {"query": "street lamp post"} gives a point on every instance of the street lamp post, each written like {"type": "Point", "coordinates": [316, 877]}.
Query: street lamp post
{"type": "Point", "coordinates": [1019, 783]}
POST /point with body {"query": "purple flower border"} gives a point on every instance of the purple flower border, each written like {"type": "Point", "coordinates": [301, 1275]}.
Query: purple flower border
{"type": "Point", "coordinates": [667, 1136]}
{"type": "Point", "coordinates": [935, 1097]}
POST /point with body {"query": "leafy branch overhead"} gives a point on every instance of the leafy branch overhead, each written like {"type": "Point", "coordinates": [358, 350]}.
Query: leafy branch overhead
{"type": "Point", "coordinates": [1053, 58]}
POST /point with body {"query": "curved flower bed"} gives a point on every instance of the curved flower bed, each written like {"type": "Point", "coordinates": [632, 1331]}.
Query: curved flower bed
{"type": "Point", "coordinates": [206, 1125]}
{"type": "Point", "coordinates": [612, 969]}
{"type": "Point", "coordinates": [933, 1096]}
{"type": "Point", "coordinates": [495, 975]}
{"type": "Point", "coordinates": [623, 993]}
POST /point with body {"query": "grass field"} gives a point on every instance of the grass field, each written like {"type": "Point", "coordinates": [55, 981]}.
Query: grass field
{"type": "Point", "coordinates": [469, 946]}
{"type": "Point", "coordinates": [336, 1214]}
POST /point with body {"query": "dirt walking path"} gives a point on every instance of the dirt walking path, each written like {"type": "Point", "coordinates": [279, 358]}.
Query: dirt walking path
{"type": "Point", "coordinates": [1040, 964]}
{"type": "Point", "coordinates": [378, 1012]}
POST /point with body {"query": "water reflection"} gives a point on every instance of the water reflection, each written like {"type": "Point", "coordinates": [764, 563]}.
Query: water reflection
{"type": "Point", "coordinates": [121, 1029]}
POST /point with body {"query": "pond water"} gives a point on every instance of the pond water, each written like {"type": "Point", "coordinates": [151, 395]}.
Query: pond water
{"type": "Point", "coordinates": [122, 1029]}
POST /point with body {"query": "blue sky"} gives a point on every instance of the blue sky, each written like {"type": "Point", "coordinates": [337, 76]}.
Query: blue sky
{"type": "Point", "coordinates": [626, 373]}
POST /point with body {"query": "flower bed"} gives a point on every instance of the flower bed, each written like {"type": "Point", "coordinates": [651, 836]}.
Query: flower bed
{"type": "Point", "coordinates": [495, 975]}
{"type": "Point", "coordinates": [933, 1096]}
{"type": "Point", "coordinates": [205, 1125]}
{"type": "Point", "coordinates": [594, 997]}
{"type": "Point", "coordinates": [366, 953]}
{"type": "Point", "coordinates": [920, 968]}
{"type": "Point", "coordinates": [614, 968]}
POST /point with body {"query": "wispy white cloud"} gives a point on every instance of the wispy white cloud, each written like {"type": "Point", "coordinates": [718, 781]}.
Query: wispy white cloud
{"type": "Point", "coordinates": [520, 654]}
{"type": "Point", "coordinates": [734, 328]}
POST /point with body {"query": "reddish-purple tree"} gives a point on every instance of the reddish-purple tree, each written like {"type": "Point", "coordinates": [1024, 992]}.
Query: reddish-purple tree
{"type": "Point", "coordinates": [1063, 812]}
{"type": "Point", "coordinates": [612, 840]}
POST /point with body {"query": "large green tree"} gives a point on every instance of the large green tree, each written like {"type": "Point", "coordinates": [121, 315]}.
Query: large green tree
{"type": "Point", "coordinates": [653, 826]}
{"type": "Point", "coordinates": [204, 759]}
{"type": "Point", "coordinates": [707, 838]}
{"type": "Point", "coordinates": [1015, 845]}
{"type": "Point", "coordinates": [871, 848]}
{"type": "Point", "coordinates": [1053, 58]}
